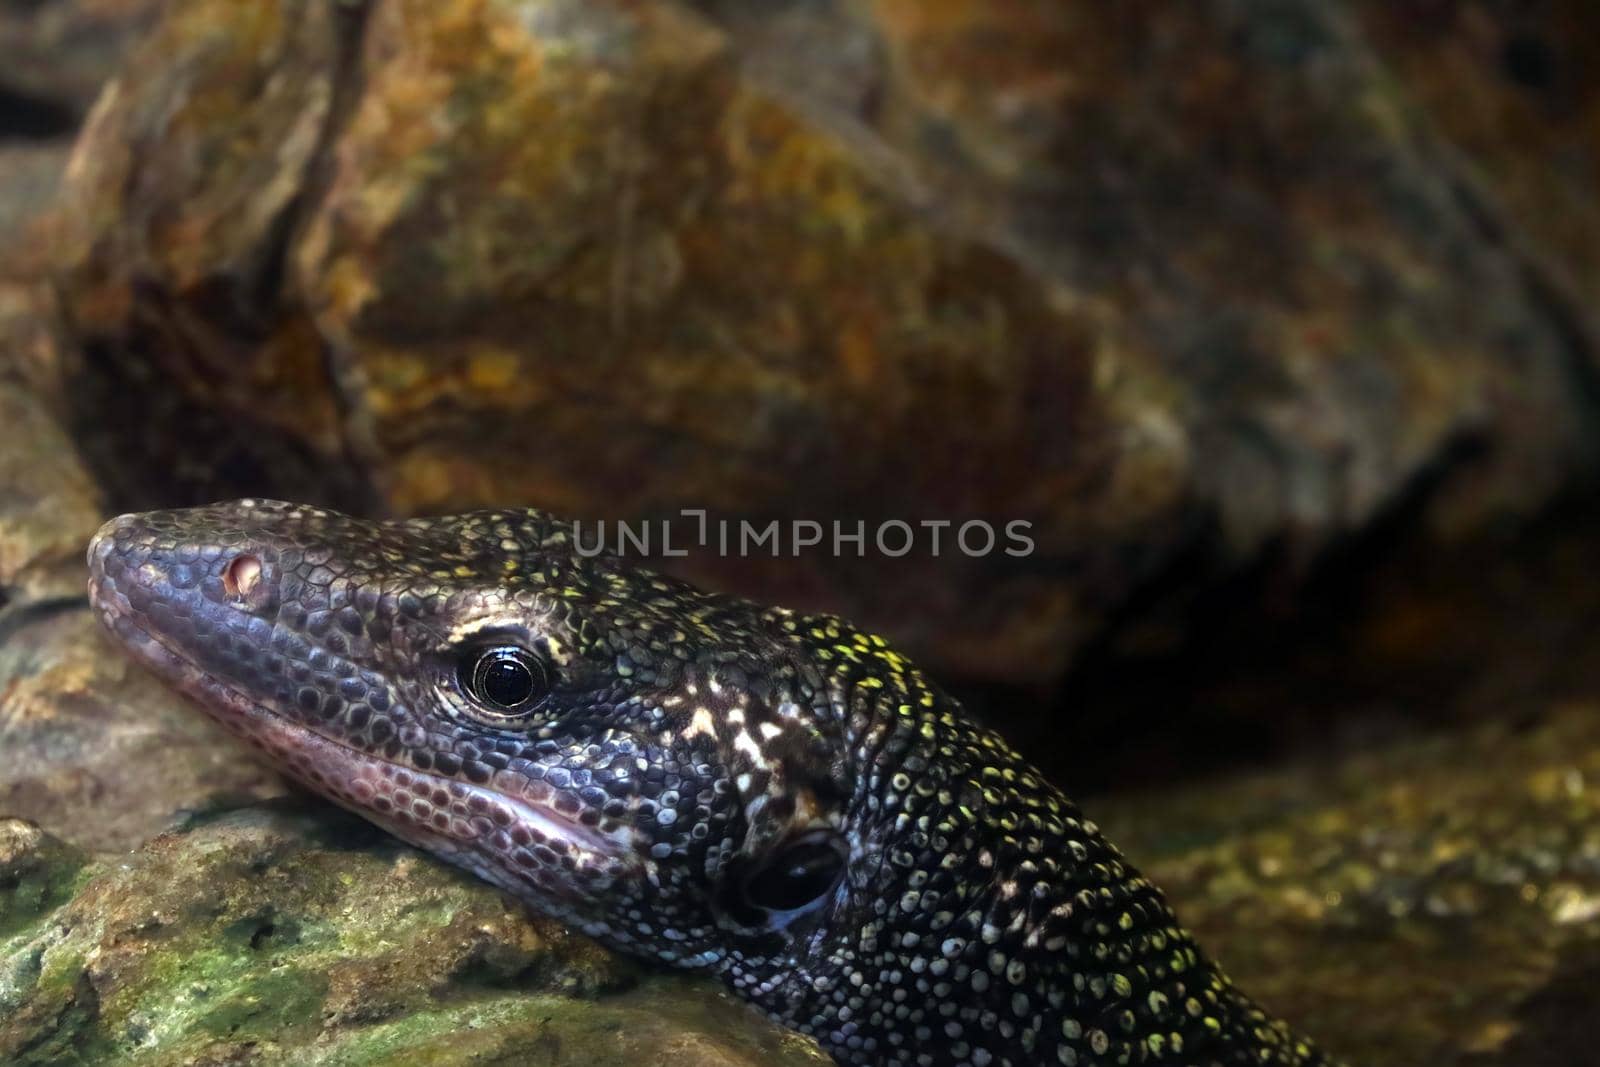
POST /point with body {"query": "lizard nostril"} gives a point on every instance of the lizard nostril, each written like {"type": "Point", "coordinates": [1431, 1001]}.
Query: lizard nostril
{"type": "Point", "coordinates": [241, 575]}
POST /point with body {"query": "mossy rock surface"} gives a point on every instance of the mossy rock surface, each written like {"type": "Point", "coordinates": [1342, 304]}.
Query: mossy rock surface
{"type": "Point", "coordinates": [1438, 903]}
{"type": "Point", "coordinates": [285, 935]}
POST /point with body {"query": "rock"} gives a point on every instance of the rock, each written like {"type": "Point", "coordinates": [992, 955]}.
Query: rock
{"type": "Point", "coordinates": [1510, 92]}
{"type": "Point", "coordinates": [273, 936]}
{"type": "Point", "coordinates": [92, 747]}
{"type": "Point", "coordinates": [1217, 290]}
{"type": "Point", "coordinates": [38, 874]}
{"type": "Point", "coordinates": [49, 506]}
{"type": "Point", "coordinates": [30, 174]}
{"type": "Point", "coordinates": [58, 53]}
{"type": "Point", "coordinates": [100, 753]}
{"type": "Point", "coordinates": [1175, 290]}
{"type": "Point", "coordinates": [1437, 902]}
{"type": "Point", "coordinates": [244, 198]}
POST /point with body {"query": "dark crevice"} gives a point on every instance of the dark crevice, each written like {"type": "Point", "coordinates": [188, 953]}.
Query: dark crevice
{"type": "Point", "coordinates": [1544, 1033]}
{"type": "Point", "coordinates": [169, 450]}
{"type": "Point", "coordinates": [263, 291]}
{"type": "Point", "coordinates": [1529, 61]}
{"type": "Point", "coordinates": [70, 1036]}
{"type": "Point", "coordinates": [263, 934]}
{"type": "Point", "coordinates": [264, 931]}
{"type": "Point", "coordinates": [16, 616]}
{"type": "Point", "coordinates": [26, 116]}
{"type": "Point", "coordinates": [1196, 676]}
{"type": "Point", "coordinates": [1246, 663]}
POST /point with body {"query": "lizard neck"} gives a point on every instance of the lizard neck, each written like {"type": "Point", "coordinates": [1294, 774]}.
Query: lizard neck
{"type": "Point", "coordinates": [987, 921]}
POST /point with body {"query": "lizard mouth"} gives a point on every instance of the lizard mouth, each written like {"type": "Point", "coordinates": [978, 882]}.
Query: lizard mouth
{"type": "Point", "coordinates": [518, 844]}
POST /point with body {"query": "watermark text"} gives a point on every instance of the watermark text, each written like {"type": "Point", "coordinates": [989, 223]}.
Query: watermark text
{"type": "Point", "coordinates": [694, 529]}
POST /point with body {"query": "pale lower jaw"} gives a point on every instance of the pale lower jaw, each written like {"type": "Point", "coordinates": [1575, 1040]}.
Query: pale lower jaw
{"type": "Point", "coordinates": [354, 779]}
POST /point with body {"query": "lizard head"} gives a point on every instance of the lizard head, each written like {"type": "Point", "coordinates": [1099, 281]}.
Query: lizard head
{"type": "Point", "coordinates": [781, 799]}
{"type": "Point", "coordinates": [650, 762]}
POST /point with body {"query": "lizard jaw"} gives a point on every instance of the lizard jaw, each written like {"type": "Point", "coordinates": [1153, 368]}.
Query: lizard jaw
{"type": "Point", "coordinates": [519, 843]}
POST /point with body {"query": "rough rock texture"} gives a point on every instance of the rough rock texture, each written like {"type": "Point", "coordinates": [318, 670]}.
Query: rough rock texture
{"type": "Point", "coordinates": [269, 936]}
{"type": "Point", "coordinates": [1173, 284]}
{"type": "Point", "coordinates": [1217, 290]}
{"type": "Point", "coordinates": [91, 747]}
{"type": "Point", "coordinates": [1511, 88]}
{"type": "Point", "coordinates": [30, 174]}
{"type": "Point", "coordinates": [244, 179]}
{"type": "Point", "coordinates": [96, 751]}
{"type": "Point", "coordinates": [57, 55]}
{"type": "Point", "coordinates": [49, 506]}
{"type": "Point", "coordinates": [1438, 903]}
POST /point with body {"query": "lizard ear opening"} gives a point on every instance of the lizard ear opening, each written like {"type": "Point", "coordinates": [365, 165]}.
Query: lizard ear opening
{"type": "Point", "coordinates": [798, 876]}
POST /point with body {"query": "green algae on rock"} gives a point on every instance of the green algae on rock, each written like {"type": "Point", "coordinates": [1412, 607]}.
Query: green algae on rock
{"type": "Point", "coordinates": [38, 873]}
{"type": "Point", "coordinates": [1448, 891]}
{"type": "Point", "coordinates": [274, 936]}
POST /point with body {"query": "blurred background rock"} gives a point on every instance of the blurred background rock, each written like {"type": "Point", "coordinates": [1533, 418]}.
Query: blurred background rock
{"type": "Point", "coordinates": [1278, 321]}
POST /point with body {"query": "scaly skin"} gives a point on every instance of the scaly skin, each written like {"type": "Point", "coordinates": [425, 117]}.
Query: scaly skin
{"type": "Point", "coordinates": [687, 741]}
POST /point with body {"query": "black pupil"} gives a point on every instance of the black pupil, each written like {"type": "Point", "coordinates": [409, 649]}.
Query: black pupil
{"type": "Point", "coordinates": [507, 678]}
{"type": "Point", "coordinates": [799, 875]}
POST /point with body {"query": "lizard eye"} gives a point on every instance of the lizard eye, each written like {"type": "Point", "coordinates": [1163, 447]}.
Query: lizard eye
{"type": "Point", "coordinates": [506, 681]}
{"type": "Point", "coordinates": [798, 875]}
